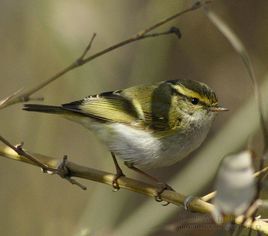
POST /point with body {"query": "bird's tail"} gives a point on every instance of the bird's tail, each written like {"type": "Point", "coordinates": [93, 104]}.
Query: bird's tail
{"type": "Point", "coordinates": [44, 108]}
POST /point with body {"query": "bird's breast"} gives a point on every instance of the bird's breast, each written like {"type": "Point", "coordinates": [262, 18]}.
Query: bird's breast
{"type": "Point", "coordinates": [142, 148]}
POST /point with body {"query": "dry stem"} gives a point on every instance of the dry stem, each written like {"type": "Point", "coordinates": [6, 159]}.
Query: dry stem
{"type": "Point", "coordinates": [81, 60]}
{"type": "Point", "coordinates": [150, 190]}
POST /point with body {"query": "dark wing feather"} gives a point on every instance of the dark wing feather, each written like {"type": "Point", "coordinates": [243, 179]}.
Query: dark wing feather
{"type": "Point", "coordinates": [150, 107]}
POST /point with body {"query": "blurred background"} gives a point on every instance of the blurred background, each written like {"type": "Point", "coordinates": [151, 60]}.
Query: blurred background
{"type": "Point", "coordinates": [39, 38]}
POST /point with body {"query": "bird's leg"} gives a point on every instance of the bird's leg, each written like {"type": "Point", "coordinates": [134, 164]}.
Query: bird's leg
{"type": "Point", "coordinates": [119, 173]}
{"type": "Point", "coordinates": [163, 186]}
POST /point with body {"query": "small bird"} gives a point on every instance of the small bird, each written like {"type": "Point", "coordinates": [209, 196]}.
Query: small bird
{"type": "Point", "coordinates": [235, 187]}
{"type": "Point", "coordinates": [147, 126]}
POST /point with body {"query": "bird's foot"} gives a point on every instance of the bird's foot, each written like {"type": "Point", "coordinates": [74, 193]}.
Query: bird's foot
{"type": "Point", "coordinates": [119, 174]}
{"type": "Point", "coordinates": [162, 188]}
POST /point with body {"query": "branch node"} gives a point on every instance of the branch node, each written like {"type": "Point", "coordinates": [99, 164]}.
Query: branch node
{"type": "Point", "coordinates": [62, 169]}
{"type": "Point", "coordinates": [201, 3]}
{"type": "Point", "coordinates": [187, 202]}
{"type": "Point", "coordinates": [19, 146]}
{"type": "Point", "coordinates": [36, 99]}
{"type": "Point", "coordinates": [81, 60]}
{"type": "Point", "coordinates": [64, 172]}
{"type": "Point", "coordinates": [175, 31]}
{"type": "Point", "coordinates": [25, 98]}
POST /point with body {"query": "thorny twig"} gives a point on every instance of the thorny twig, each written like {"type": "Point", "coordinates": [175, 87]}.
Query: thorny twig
{"type": "Point", "coordinates": [144, 34]}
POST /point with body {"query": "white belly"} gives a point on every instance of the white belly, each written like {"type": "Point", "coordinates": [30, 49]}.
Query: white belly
{"type": "Point", "coordinates": [141, 148]}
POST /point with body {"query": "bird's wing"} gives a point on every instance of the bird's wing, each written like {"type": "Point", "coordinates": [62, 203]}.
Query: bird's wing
{"type": "Point", "coordinates": [108, 106]}
{"type": "Point", "coordinates": [148, 106]}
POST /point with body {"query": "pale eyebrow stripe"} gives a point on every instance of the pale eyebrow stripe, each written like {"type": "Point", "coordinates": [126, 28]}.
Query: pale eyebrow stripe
{"type": "Point", "coordinates": [192, 94]}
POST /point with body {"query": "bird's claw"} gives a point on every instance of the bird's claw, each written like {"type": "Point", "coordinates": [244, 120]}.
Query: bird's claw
{"type": "Point", "coordinates": [162, 188]}
{"type": "Point", "coordinates": [115, 184]}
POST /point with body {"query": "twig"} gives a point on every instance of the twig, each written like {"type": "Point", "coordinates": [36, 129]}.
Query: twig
{"type": "Point", "coordinates": [82, 57]}
{"type": "Point", "coordinates": [208, 197]}
{"type": "Point", "coordinates": [239, 47]}
{"type": "Point", "coordinates": [195, 6]}
{"type": "Point", "coordinates": [64, 172]}
{"type": "Point", "coordinates": [241, 50]}
{"type": "Point", "coordinates": [19, 150]}
{"type": "Point", "coordinates": [60, 169]}
{"type": "Point", "coordinates": [8, 98]}
{"type": "Point", "coordinates": [150, 190]}
{"type": "Point", "coordinates": [144, 34]}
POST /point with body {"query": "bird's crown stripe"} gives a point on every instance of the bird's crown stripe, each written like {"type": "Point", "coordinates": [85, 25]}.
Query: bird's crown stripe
{"type": "Point", "coordinates": [190, 93]}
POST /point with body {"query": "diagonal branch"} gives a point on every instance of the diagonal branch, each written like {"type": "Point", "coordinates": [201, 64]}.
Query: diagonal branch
{"type": "Point", "coordinates": [19, 150]}
{"type": "Point", "coordinates": [150, 190]}
{"type": "Point", "coordinates": [82, 57]}
{"type": "Point", "coordinates": [81, 60]}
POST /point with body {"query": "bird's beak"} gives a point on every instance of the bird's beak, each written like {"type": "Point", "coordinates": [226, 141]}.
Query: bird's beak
{"type": "Point", "coordinates": [218, 109]}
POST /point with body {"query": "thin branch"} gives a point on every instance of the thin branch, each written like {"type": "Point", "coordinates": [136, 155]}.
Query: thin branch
{"type": "Point", "coordinates": [195, 6]}
{"type": "Point", "coordinates": [8, 98]}
{"type": "Point", "coordinates": [239, 47]}
{"type": "Point", "coordinates": [150, 190]}
{"type": "Point", "coordinates": [63, 171]}
{"type": "Point", "coordinates": [19, 150]}
{"type": "Point", "coordinates": [59, 169]}
{"type": "Point", "coordinates": [208, 197]}
{"type": "Point", "coordinates": [241, 50]}
{"type": "Point", "coordinates": [83, 60]}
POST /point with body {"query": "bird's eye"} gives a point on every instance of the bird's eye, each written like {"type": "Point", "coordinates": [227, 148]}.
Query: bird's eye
{"type": "Point", "coordinates": [194, 101]}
